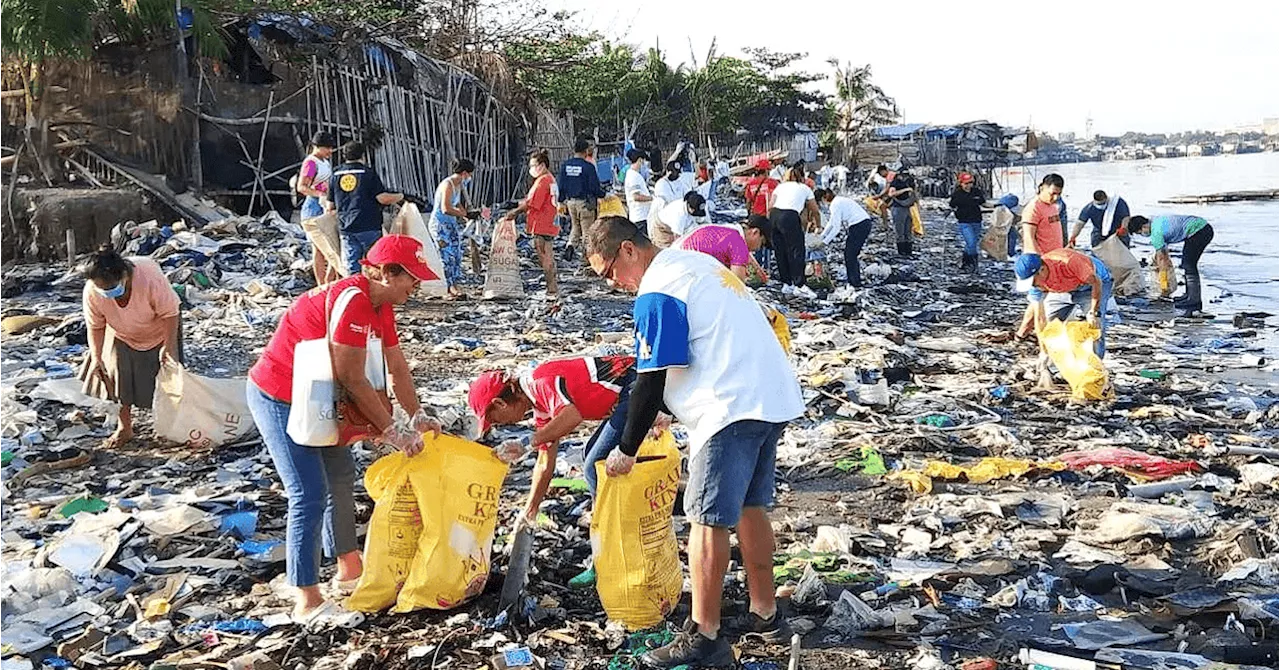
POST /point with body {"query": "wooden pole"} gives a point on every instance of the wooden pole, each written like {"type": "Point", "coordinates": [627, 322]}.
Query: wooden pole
{"type": "Point", "coordinates": [71, 246]}
{"type": "Point", "coordinates": [262, 143]}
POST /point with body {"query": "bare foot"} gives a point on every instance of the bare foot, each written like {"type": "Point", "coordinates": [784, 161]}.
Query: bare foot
{"type": "Point", "coordinates": [119, 438]}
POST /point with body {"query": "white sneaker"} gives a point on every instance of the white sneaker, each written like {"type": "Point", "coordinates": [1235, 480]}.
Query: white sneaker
{"type": "Point", "coordinates": [806, 292]}
{"type": "Point", "coordinates": [329, 615]}
{"type": "Point", "coordinates": [788, 289]}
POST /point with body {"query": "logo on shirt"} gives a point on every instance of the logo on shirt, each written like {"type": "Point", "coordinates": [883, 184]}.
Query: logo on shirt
{"type": "Point", "coordinates": [731, 282]}
{"type": "Point", "coordinates": [642, 347]}
{"type": "Point", "coordinates": [347, 183]}
{"type": "Point", "coordinates": [357, 328]}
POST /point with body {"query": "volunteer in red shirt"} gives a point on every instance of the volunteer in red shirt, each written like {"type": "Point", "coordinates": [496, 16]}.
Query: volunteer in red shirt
{"type": "Point", "coordinates": [1042, 232]}
{"type": "Point", "coordinates": [759, 188]}
{"type": "Point", "coordinates": [561, 393]}
{"type": "Point", "coordinates": [318, 481]}
{"type": "Point", "coordinates": [540, 220]}
{"type": "Point", "coordinates": [1072, 280]}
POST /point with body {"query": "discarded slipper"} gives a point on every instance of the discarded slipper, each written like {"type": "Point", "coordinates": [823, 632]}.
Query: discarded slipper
{"type": "Point", "coordinates": [329, 615]}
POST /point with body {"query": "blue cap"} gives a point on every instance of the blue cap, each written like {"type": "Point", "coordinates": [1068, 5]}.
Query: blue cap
{"type": "Point", "coordinates": [1009, 200]}
{"type": "Point", "coordinates": [1025, 266]}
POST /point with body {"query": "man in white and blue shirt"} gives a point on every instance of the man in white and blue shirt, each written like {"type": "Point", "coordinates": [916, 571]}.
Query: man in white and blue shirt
{"type": "Point", "coordinates": [705, 351]}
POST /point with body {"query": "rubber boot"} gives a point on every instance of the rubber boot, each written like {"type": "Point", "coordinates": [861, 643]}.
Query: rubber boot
{"type": "Point", "coordinates": [973, 264]}
{"type": "Point", "coordinates": [1192, 303]}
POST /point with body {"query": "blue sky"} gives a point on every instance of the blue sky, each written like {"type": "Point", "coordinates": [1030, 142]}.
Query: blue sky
{"type": "Point", "coordinates": [1130, 65]}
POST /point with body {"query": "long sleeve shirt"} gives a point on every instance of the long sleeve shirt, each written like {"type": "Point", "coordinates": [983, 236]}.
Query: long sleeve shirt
{"type": "Point", "coordinates": [578, 180]}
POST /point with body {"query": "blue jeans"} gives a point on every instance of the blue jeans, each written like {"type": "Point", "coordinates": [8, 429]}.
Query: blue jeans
{"type": "Point", "coordinates": [608, 434]}
{"type": "Point", "coordinates": [971, 232]}
{"type": "Point", "coordinates": [355, 246]}
{"type": "Point", "coordinates": [1060, 305]}
{"type": "Point", "coordinates": [318, 483]}
{"type": "Point", "coordinates": [733, 470]}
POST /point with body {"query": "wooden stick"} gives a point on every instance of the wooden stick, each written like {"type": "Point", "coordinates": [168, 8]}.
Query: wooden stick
{"type": "Point", "coordinates": [262, 143]}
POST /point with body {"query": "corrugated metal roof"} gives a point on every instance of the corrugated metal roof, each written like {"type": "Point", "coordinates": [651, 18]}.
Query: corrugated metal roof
{"type": "Point", "coordinates": [898, 131]}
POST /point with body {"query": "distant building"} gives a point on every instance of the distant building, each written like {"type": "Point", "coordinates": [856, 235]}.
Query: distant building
{"type": "Point", "coordinates": [1271, 126]}
{"type": "Point", "coordinates": [1066, 137]}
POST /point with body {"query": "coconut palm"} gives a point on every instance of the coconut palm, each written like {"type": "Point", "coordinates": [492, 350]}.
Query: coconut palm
{"type": "Point", "coordinates": [860, 105]}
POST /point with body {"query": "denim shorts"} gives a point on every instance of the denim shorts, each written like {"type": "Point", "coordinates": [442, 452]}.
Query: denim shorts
{"type": "Point", "coordinates": [733, 470]}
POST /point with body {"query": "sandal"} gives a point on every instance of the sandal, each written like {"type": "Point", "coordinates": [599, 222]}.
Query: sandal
{"type": "Point", "coordinates": [343, 588]}
{"type": "Point", "coordinates": [329, 615]}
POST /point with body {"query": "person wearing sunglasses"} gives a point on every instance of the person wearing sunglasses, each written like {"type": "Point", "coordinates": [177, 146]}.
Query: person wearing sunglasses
{"type": "Point", "coordinates": [705, 351]}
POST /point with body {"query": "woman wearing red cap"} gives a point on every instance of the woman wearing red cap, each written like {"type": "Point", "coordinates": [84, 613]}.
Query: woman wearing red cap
{"type": "Point", "coordinates": [967, 201]}
{"type": "Point", "coordinates": [355, 316]}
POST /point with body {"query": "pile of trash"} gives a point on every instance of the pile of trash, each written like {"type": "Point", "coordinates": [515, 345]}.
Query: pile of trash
{"type": "Point", "coordinates": [935, 509]}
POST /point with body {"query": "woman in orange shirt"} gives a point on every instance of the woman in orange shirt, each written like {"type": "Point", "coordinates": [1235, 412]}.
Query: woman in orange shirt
{"type": "Point", "coordinates": [540, 216]}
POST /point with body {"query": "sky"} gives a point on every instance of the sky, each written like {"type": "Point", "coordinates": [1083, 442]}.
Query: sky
{"type": "Point", "coordinates": [1156, 67]}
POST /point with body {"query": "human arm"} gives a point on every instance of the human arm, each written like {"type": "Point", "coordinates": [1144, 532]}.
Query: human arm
{"type": "Point", "coordinates": [642, 409]}
{"type": "Point", "coordinates": [401, 379]}
{"type": "Point", "coordinates": [740, 271]}
{"type": "Point", "coordinates": [169, 350]}
{"type": "Point", "coordinates": [348, 369]}
{"type": "Point", "coordinates": [543, 471]}
{"type": "Point", "coordinates": [307, 180]}
{"type": "Point", "coordinates": [1095, 304]}
{"type": "Point", "coordinates": [1075, 232]}
{"type": "Point", "coordinates": [446, 203]}
{"type": "Point", "coordinates": [98, 336]}
{"type": "Point", "coordinates": [834, 223]}
{"type": "Point", "coordinates": [1041, 318]}
{"type": "Point", "coordinates": [389, 198]}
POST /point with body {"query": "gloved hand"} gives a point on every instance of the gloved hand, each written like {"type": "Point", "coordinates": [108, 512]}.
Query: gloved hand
{"type": "Point", "coordinates": [509, 451]}
{"type": "Point", "coordinates": [402, 437]}
{"type": "Point", "coordinates": [1092, 319]}
{"type": "Point", "coordinates": [618, 463]}
{"type": "Point", "coordinates": [661, 424]}
{"type": "Point", "coordinates": [423, 423]}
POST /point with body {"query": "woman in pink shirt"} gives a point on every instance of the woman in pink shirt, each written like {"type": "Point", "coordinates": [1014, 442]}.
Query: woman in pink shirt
{"type": "Point", "coordinates": [131, 313]}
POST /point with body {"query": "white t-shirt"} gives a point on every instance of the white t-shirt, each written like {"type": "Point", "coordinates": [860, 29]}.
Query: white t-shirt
{"type": "Point", "coordinates": [696, 320]}
{"type": "Point", "coordinates": [676, 216]}
{"type": "Point", "coordinates": [791, 195]}
{"type": "Point", "coordinates": [637, 210]}
{"type": "Point", "coordinates": [778, 172]}
{"type": "Point", "coordinates": [665, 191]}
{"type": "Point", "coordinates": [722, 169]}
{"type": "Point", "coordinates": [844, 213]}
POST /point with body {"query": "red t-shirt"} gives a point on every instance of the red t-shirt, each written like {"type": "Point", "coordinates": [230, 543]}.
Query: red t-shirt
{"type": "Point", "coordinates": [305, 320]}
{"type": "Point", "coordinates": [1068, 270]}
{"type": "Point", "coordinates": [757, 192]}
{"type": "Point", "coordinates": [589, 383]}
{"type": "Point", "coordinates": [541, 218]}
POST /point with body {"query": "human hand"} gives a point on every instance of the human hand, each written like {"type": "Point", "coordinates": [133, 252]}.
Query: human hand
{"type": "Point", "coordinates": [1071, 242]}
{"type": "Point", "coordinates": [1092, 318]}
{"type": "Point", "coordinates": [403, 438]}
{"type": "Point", "coordinates": [509, 451]}
{"type": "Point", "coordinates": [660, 425]}
{"type": "Point", "coordinates": [423, 424]}
{"type": "Point", "coordinates": [618, 463]}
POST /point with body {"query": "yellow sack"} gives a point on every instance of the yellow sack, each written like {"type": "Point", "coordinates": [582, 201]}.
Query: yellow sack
{"type": "Point", "coordinates": [431, 533]}
{"type": "Point", "coordinates": [611, 205]}
{"type": "Point", "coordinates": [458, 495]}
{"type": "Point", "coordinates": [633, 542]}
{"type": "Point", "coordinates": [780, 328]}
{"type": "Point", "coordinates": [392, 539]}
{"type": "Point", "coordinates": [917, 225]}
{"type": "Point", "coordinates": [1070, 345]}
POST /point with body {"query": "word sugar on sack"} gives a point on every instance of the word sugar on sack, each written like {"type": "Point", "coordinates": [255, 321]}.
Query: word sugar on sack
{"type": "Point", "coordinates": [633, 542]}
{"type": "Point", "coordinates": [439, 557]}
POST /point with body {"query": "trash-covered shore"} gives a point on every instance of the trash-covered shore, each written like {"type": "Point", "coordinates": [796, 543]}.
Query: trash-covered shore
{"type": "Point", "coordinates": [935, 508]}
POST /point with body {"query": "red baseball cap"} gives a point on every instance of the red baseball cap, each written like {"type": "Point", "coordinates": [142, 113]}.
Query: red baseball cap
{"type": "Point", "coordinates": [484, 390]}
{"type": "Point", "coordinates": [965, 177]}
{"type": "Point", "coordinates": [402, 250]}
{"type": "Point", "coordinates": [763, 164]}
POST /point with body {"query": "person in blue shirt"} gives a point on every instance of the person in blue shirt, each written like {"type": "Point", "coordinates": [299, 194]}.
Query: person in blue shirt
{"type": "Point", "coordinates": [580, 191]}
{"type": "Point", "coordinates": [1108, 216]}
{"type": "Point", "coordinates": [358, 195]}
{"type": "Point", "coordinates": [1195, 234]}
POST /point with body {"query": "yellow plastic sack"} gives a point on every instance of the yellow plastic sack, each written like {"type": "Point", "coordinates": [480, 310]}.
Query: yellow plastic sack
{"type": "Point", "coordinates": [1070, 345]}
{"type": "Point", "coordinates": [392, 539]}
{"type": "Point", "coordinates": [982, 472]}
{"type": "Point", "coordinates": [780, 328]}
{"type": "Point", "coordinates": [438, 557]}
{"type": "Point", "coordinates": [610, 205]}
{"type": "Point", "coordinates": [917, 225]}
{"type": "Point", "coordinates": [633, 542]}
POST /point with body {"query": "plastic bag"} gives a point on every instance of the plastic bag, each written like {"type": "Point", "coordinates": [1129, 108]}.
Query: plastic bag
{"type": "Point", "coordinates": [996, 240]}
{"type": "Point", "coordinates": [633, 542]}
{"type": "Point", "coordinates": [409, 222]}
{"type": "Point", "coordinates": [1126, 272]}
{"type": "Point", "coordinates": [1070, 345]}
{"type": "Point", "coordinates": [610, 205]}
{"type": "Point", "coordinates": [323, 233]}
{"type": "Point", "coordinates": [1166, 281]}
{"type": "Point", "coordinates": [457, 484]}
{"type": "Point", "coordinates": [917, 225]}
{"type": "Point", "coordinates": [200, 411]}
{"type": "Point", "coordinates": [502, 280]}
{"type": "Point", "coordinates": [392, 539]}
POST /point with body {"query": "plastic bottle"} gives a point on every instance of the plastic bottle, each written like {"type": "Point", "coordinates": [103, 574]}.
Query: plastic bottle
{"type": "Point", "coordinates": [1044, 660]}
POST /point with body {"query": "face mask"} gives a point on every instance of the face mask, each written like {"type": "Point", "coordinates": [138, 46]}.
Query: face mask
{"type": "Point", "coordinates": [672, 176]}
{"type": "Point", "coordinates": [113, 292]}
{"type": "Point", "coordinates": [535, 171]}
{"type": "Point", "coordinates": [466, 182]}
{"type": "Point", "coordinates": [1100, 205]}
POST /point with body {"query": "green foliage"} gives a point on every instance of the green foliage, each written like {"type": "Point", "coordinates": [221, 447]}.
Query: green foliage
{"type": "Point", "coordinates": [860, 105]}
{"type": "Point", "coordinates": [34, 30]}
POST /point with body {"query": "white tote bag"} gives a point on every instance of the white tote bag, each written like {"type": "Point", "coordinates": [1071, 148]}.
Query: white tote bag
{"type": "Point", "coordinates": [313, 416]}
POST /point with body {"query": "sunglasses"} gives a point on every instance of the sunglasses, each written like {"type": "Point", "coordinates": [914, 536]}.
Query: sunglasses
{"type": "Point", "coordinates": [607, 273]}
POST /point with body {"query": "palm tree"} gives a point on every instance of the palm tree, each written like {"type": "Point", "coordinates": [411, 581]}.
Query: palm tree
{"type": "Point", "coordinates": [860, 105]}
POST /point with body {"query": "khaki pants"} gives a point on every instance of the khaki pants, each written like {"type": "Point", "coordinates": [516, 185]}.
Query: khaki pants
{"type": "Point", "coordinates": [581, 216]}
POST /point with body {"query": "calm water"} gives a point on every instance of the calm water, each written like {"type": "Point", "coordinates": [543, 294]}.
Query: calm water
{"type": "Point", "coordinates": [1241, 265]}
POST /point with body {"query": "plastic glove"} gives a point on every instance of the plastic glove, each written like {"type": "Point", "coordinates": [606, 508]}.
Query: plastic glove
{"type": "Point", "coordinates": [661, 424]}
{"type": "Point", "coordinates": [1092, 319]}
{"type": "Point", "coordinates": [509, 451]}
{"type": "Point", "coordinates": [403, 438]}
{"type": "Point", "coordinates": [423, 423]}
{"type": "Point", "coordinates": [618, 463]}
